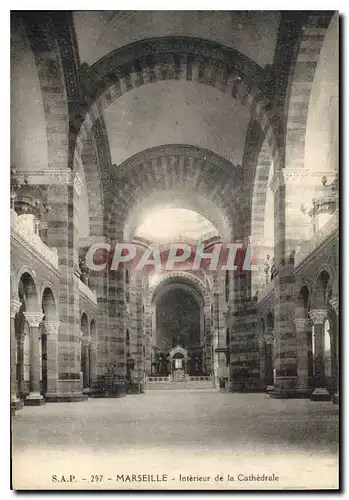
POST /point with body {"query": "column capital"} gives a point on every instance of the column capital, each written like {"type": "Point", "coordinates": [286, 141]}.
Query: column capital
{"type": "Point", "coordinates": [318, 316]}
{"type": "Point", "coordinates": [52, 328]}
{"type": "Point", "coordinates": [334, 302]}
{"type": "Point", "coordinates": [15, 306]}
{"type": "Point", "coordinates": [269, 338]}
{"type": "Point", "coordinates": [85, 341]}
{"type": "Point", "coordinates": [93, 345]}
{"type": "Point", "coordinates": [34, 318]}
{"type": "Point", "coordinates": [302, 324]}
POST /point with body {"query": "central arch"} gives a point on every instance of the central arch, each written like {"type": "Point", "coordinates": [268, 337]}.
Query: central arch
{"type": "Point", "coordinates": [175, 58]}
{"type": "Point", "coordinates": [178, 172]}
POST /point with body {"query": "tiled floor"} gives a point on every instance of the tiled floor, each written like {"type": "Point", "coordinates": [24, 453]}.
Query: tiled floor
{"type": "Point", "coordinates": [178, 432]}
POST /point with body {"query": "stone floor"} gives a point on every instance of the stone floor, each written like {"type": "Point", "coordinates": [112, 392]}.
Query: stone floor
{"type": "Point", "coordinates": [202, 434]}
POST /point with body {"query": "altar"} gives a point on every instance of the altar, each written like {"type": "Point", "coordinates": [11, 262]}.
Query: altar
{"type": "Point", "coordinates": [179, 363]}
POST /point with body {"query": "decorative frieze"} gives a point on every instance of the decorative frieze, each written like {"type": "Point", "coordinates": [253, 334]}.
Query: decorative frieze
{"type": "Point", "coordinates": [58, 176]}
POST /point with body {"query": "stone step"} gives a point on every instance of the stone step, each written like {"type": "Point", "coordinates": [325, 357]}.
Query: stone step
{"type": "Point", "coordinates": [192, 384]}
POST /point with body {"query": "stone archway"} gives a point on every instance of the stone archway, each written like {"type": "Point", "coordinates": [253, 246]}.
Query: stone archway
{"type": "Point", "coordinates": [175, 58]}
{"type": "Point", "coordinates": [27, 329]}
{"type": "Point", "coordinates": [178, 172]}
{"type": "Point", "coordinates": [193, 285]}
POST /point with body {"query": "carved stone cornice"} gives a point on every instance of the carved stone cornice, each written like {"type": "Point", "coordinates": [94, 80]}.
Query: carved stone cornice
{"type": "Point", "coordinates": [15, 306]}
{"type": "Point", "coordinates": [33, 318]}
{"type": "Point", "coordinates": [334, 302]}
{"type": "Point", "coordinates": [305, 175]}
{"type": "Point", "coordinates": [318, 316]}
{"type": "Point", "coordinates": [52, 328]}
{"type": "Point", "coordinates": [58, 176]}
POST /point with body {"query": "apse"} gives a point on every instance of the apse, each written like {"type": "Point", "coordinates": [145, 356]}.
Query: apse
{"type": "Point", "coordinates": [177, 320]}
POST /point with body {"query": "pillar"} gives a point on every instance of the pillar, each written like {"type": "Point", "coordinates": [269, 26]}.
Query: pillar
{"type": "Point", "coordinates": [136, 333]}
{"type": "Point", "coordinates": [20, 336]}
{"type": "Point", "coordinates": [262, 361]}
{"type": "Point", "coordinates": [118, 317]}
{"type": "Point", "coordinates": [334, 302]}
{"type": "Point", "coordinates": [86, 365]}
{"type": "Point", "coordinates": [51, 330]}
{"type": "Point", "coordinates": [320, 393]}
{"type": "Point", "coordinates": [93, 363]}
{"type": "Point", "coordinates": [303, 327]}
{"type": "Point", "coordinates": [15, 401]}
{"type": "Point", "coordinates": [269, 376]}
{"type": "Point", "coordinates": [34, 319]}
{"type": "Point", "coordinates": [62, 233]}
{"type": "Point", "coordinates": [285, 336]}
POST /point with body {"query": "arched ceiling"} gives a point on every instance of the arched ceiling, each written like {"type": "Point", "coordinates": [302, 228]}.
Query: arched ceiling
{"type": "Point", "coordinates": [173, 225]}
{"type": "Point", "coordinates": [158, 281]}
{"type": "Point", "coordinates": [185, 200]}
{"type": "Point", "coordinates": [253, 33]}
{"type": "Point", "coordinates": [176, 175]}
{"type": "Point", "coordinates": [176, 112]}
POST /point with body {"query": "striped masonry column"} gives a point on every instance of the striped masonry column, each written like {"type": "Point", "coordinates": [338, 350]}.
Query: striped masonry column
{"type": "Point", "coordinates": [147, 326]}
{"type": "Point", "coordinates": [62, 233]}
{"type": "Point", "coordinates": [303, 332]}
{"type": "Point", "coordinates": [51, 329]}
{"type": "Point", "coordinates": [118, 324]}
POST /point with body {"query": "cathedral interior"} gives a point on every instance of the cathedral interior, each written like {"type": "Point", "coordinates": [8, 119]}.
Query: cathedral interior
{"type": "Point", "coordinates": [197, 127]}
